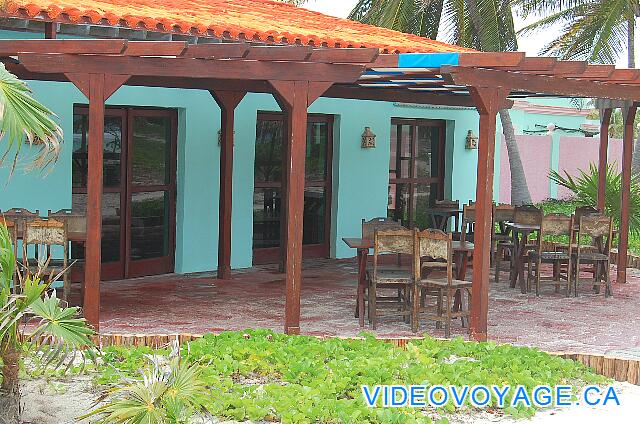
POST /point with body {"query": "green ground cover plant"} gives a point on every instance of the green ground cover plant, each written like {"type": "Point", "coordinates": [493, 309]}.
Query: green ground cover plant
{"type": "Point", "coordinates": [261, 375]}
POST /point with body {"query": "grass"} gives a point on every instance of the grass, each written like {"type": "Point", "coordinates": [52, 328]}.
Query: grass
{"type": "Point", "coordinates": [260, 375]}
{"type": "Point", "coordinates": [567, 207]}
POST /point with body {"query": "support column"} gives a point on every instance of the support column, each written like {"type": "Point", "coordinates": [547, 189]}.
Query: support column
{"type": "Point", "coordinates": [488, 102]}
{"type": "Point", "coordinates": [97, 88]}
{"type": "Point", "coordinates": [605, 119]}
{"type": "Point", "coordinates": [629, 115]}
{"type": "Point", "coordinates": [228, 101]}
{"type": "Point", "coordinates": [50, 30]}
{"type": "Point", "coordinates": [294, 97]}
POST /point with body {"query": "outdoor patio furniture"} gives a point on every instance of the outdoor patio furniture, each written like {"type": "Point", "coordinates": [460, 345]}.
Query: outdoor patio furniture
{"type": "Point", "coordinates": [433, 273]}
{"type": "Point", "coordinates": [552, 225]}
{"type": "Point", "coordinates": [43, 234]}
{"type": "Point", "coordinates": [11, 228]}
{"type": "Point", "coordinates": [467, 227]}
{"type": "Point", "coordinates": [441, 213]}
{"type": "Point", "coordinates": [76, 225]}
{"type": "Point", "coordinates": [596, 230]}
{"type": "Point", "coordinates": [385, 277]}
{"type": "Point", "coordinates": [527, 220]}
{"type": "Point", "coordinates": [501, 239]}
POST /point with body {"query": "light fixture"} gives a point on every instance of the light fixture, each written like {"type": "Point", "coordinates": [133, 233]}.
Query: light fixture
{"type": "Point", "coordinates": [368, 139]}
{"type": "Point", "coordinates": [551, 127]}
{"type": "Point", "coordinates": [471, 142]}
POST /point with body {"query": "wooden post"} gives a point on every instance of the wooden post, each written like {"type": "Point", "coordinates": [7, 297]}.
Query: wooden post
{"type": "Point", "coordinates": [228, 101]}
{"type": "Point", "coordinates": [294, 98]}
{"type": "Point", "coordinates": [627, 154]}
{"type": "Point", "coordinates": [97, 88]}
{"type": "Point", "coordinates": [488, 102]}
{"type": "Point", "coordinates": [50, 30]}
{"type": "Point", "coordinates": [605, 119]}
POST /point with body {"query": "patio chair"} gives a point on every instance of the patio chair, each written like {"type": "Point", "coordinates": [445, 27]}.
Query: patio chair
{"type": "Point", "coordinates": [440, 220]}
{"type": "Point", "coordinates": [501, 240]}
{"type": "Point", "coordinates": [384, 277]}
{"type": "Point", "coordinates": [20, 217]}
{"type": "Point", "coordinates": [467, 228]}
{"type": "Point", "coordinates": [435, 275]}
{"type": "Point", "coordinates": [43, 234]}
{"type": "Point", "coordinates": [552, 225]}
{"type": "Point", "coordinates": [75, 223]}
{"type": "Point", "coordinates": [596, 230]}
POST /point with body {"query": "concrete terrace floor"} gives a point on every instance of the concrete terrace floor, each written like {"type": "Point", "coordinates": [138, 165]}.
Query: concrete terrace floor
{"type": "Point", "coordinates": [254, 298]}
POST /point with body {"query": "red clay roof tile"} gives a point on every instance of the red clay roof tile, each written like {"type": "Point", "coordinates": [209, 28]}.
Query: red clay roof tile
{"type": "Point", "coordinates": [255, 19]}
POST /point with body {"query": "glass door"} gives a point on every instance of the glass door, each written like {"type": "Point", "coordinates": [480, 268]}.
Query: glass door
{"type": "Point", "coordinates": [416, 169]}
{"type": "Point", "coordinates": [267, 200]}
{"type": "Point", "coordinates": [138, 201]}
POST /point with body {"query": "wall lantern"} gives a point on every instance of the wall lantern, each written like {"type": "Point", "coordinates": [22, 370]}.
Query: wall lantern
{"type": "Point", "coordinates": [471, 142]}
{"type": "Point", "coordinates": [368, 138]}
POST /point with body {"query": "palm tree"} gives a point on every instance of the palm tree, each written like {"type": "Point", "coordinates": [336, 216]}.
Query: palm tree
{"type": "Point", "coordinates": [485, 25]}
{"type": "Point", "coordinates": [597, 31]}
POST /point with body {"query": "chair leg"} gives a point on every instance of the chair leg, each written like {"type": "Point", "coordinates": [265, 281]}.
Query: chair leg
{"type": "Point", "coordinates": [608, 291]}
{"type": "Point", "coordinates": [576, 280]}
{"type": "Point", "coordinates": [415, 309]}
{"type": "Point", "coordinates": [496, 263]}
{"type": "Point", "coordinates": [447, 324]}
{"type": "Point", "coordinates": [538, 266]}
{"type": "Point", "coordinates": [373, 313]}
{"type": "Point", "coordinates": [439, 306]}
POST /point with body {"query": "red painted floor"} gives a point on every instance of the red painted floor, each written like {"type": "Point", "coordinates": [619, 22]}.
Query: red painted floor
{"type": "Point", "coordinates": [200, 303]}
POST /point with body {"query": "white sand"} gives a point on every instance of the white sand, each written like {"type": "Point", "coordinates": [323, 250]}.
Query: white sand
{"type": "Point", "coordinates": [60, 401]}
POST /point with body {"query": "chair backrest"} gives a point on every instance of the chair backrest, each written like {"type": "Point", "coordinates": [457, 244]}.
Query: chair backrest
{"type": "Point", "coordinates": [583, 211]}
{"type": "Point", "coordinates": [446, 204]}
{"type": "Point", "coordinates": [594, 226]}
{"type": "Point", "coordinates": [503, 213]}
{"type": "Point", "coordinates": [435, 245]}
{"type": "Point", "coordinates": [19, 216]}
{"type": "Point", "coordinates": [75, 222]}
{"type": "Point", "coordinates": [468, 221]}
{"type": "Point", "coordinates": [11, 227]}
{"type": "Point", "coordinates": [527, 215]}
{"type": "Point", "coordinates": [47, 232]}
{"type": "Point", "coordinates": [369, 227]}
{"type": "Point", "coordinates": [388, 241]}
{"type": "Point", "coordinates": [556, 224]}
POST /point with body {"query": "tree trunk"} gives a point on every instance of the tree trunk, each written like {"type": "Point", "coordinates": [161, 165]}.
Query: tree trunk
{"type": "Point", "coordinates": [519, 189]}
{"type": "Point", "coordinates": [10, 390]}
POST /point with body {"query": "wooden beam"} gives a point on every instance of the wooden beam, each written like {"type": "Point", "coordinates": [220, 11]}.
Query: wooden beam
{"type": "Point", "coordinates": [345, 55]}
{"type": "Point", "coordinates": [294, 98]}
{"type": "Point", "coordinates": [287, 53]}
{"type": "Point", "coordinates": [217, 50]}
{"type": "Point", "coordinates": [491, 59]}
{"type": "Point", "coordinates": [605, 119]}
{"type": "Point", "coordinates": [15, 47]}
{"type": "Point", "coordinates": [538, 83]}
{"type": "Point", "coordinates": [629, 115]}
{"type": "Point", "coordinates": [192, 68]}
{"type": "Point", "coordinates": [397, 95]}
{"type": "Point", "coordinates": [228, 101]}
{"type": "Point", "coordinates": [488, 102]}
{"type": "Point", "coordinates": [156, 48]}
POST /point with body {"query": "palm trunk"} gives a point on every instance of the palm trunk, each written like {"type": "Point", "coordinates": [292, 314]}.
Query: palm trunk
{"type": "Point", "coordinates": [519, 189]}
{"type": "Point", "coordinates": [10, 390]}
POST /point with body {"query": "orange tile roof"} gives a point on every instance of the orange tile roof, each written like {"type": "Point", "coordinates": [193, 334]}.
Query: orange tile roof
{"type": "Point", "coordinates": [262, 20]}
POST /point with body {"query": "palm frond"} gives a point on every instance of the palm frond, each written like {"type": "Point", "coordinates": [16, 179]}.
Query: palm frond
{"type": "Point", "coordinates": [25, 119]}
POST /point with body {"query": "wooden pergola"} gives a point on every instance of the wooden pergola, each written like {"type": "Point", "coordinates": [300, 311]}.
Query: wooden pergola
{"type": "Point", "coordinates": [297, 76]}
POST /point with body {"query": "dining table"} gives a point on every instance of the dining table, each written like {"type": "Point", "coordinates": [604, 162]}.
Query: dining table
{"type": "Point", "coordinates": [461, 251]}
{"type": "Point", "coordinates": [520, 235]}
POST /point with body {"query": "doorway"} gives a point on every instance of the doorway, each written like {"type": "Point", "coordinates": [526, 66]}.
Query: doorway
{"type": "Point", "coordinates": [416, 169]}
{"type": "Point", "coordinates": [267, 201]}
{"type": "Point", "coordinates": [139, 189]}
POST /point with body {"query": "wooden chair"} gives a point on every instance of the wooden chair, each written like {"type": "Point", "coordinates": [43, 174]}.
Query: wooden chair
{"type": "Point", "coordinates": [369, 227]}
{"type": "Point", "coordinates": [467, 228]}
{"type": "Point", "coordinates": [43, 234]}
{"type": "Point", "coordinates": [441, 220]}
{"type": "Point", "coordinates": [596, 230]}
{"type": "Point", "coordinates": [75, 223]}
{"type": "Point", "coordinates": [501, 240]}
{"type": "Point", "coordinates": [390, 242]}
{"type": "Point", "coordinates": [552, 225]}
{"type": "Point", "coordinates": [20, 217]}
{"type": "Point", "coordinates": [432, 255]}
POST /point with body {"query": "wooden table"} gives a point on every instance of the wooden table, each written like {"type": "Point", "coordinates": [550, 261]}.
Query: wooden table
{"type": "Point", "coordinates": [461, 250]}
{"type": "Point", "coordinates": [520, 234]}
{"type": "Point", "coordinates": [440, 218]}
